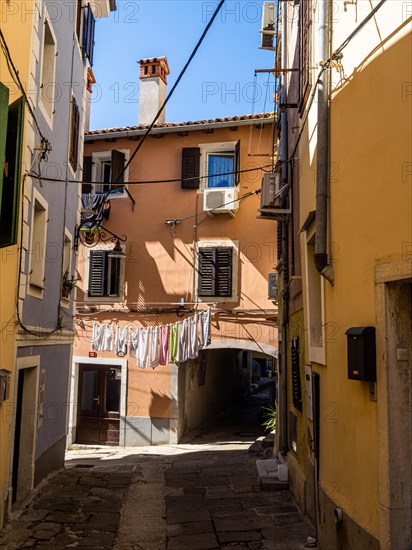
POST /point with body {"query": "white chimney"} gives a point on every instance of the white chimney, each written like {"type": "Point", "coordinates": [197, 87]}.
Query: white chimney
{"type": "Point", "coordinates": [153, 83]}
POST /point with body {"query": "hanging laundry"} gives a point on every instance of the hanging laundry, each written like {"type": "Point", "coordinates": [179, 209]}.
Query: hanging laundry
{"type": "Point", "coordinates": [182, 338]}
{"type": "Point", "coordinates": [121, 341]}
{"type": "Point", "coordinates": [133, 341]}
{"type": "Point", "coordinates": [108, 338]}
{"type": "Point", "coordinates": [164, 358]}
{"type": "Point", "coordinates": [154, 347]}
{"type": "Point", "coordinates": [193, 342]}
{"type": "Point", "coordinates": [143, 349]}
{"type": "Point", "coordinates": [205, 320]}
{"type": "Point", "coordinates": [98, 336]}
{"type": "Point", "coordinates": [173, 341]}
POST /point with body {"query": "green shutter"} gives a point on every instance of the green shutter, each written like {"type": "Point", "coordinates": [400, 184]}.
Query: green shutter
{"type": "Point", "coordinates": [97, 273]}
{"type": "Point", "coordinates": [10, 190]}
{"type": "Point", "coordinates": [190, 167]}
{"type": "Point", "coordinates": [4, 113]}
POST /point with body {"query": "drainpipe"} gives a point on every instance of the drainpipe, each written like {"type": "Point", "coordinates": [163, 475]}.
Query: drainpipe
{"type": "Point", "coordinates": [285, 262]}
{"type": "Point", "coordinates": [322, 261]}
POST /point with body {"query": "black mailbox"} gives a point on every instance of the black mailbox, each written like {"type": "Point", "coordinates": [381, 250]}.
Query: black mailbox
{"type": "Point", "coordinates": [361, 353]}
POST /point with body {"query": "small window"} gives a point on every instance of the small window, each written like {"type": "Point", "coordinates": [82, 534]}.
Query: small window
{"type": "Point", "coordinates": [105, 274]}
{"type": "Point", "coordinates": [215, 271]}
{"type": "Point", "coordinates": [74, 134]}
{"type": "Point", "coordinates": [38, 243]}
{"type": "Point", "coordinates": [221, 169]}
{"type": "Point", "coordinates": [107, 168]}
{"type": "Point", "coordinates": [47, 83]}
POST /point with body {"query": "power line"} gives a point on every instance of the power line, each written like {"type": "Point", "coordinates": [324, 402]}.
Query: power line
{"type": "Point", "coordinates": [37, 176]}
{"type": "Point", "coordinates": [169, 95]}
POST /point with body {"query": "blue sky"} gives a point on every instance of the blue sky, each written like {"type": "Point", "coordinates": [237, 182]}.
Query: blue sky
{"type": "Point", "coordinates": [219, 82]}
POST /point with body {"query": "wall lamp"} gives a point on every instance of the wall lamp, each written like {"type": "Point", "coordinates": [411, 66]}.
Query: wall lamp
{"type": "Point", "coordinates": [91, 236]}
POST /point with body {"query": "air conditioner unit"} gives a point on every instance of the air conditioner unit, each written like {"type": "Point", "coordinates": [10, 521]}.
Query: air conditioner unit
{"type": "Point", "coordinates": [220, 201]}
{"type": "Point", "coordinates": [268, 25]}
{"type": "Point", "coordinates": [270, 193]}
{"type": "Point", "coordinates": [273, 290]}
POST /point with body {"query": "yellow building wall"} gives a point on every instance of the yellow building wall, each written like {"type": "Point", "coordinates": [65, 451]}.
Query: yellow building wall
{"type": "Point", "coordinates": [16, 26]}
{"type": "Point", "coordinates": [370, 221]}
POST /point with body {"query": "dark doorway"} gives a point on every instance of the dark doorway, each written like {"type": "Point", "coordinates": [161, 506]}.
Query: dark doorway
{"type": "Point", "coordinates": [98, 408]}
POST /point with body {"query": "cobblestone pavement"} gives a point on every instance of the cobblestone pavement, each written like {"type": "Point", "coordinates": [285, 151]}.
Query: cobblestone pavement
{"type": "Point", "coordinates": [202, 494]}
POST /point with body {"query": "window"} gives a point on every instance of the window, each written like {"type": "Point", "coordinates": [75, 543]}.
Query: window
{"type": "Point", "coordinates": [211, 165]}
{"type": "Point", "coordinates": [105, 275]}
{"type": "Point", "coordinates": [11, 139]}
{"type": "Point", "coordinates": [47, 84]}
{"type": "Point", "coordinates": [74, 134]}
{"type": "Point", "coordinates": [217, 271]}
{"type": "Point", "coordinates": [38, 241]}
{"type": "Point", "coordinates": [88, 34]}
{"type": "Point", "coordinates": [305, 52]}
{"type": "Point", "coordinates": [107, 167]}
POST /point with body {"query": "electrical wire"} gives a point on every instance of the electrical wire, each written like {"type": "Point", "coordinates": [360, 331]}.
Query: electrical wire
{"type": "Point", "coordinates": [147, 182]}
{"type": "Point", "coordinates": [169, 95]}
{"type": "Point", "coordinates": [16, 78]}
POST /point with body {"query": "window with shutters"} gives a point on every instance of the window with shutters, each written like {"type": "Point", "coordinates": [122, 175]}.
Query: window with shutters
{"type": "Point", "coordinates": [211, 165]}
{"type": "Point", "coordinates": [88, 34]}
{"type": "Point", "coordinates": [105, 275]}
{"type": "Point", "coordinates": [11, 139]}
{"type": "Point", "coordinates": [216, 271]}
{"type": "Point", "coordinates": [74, 135]}
{"type": "Point", "coordinates": [108, 168]}
{"type": "Point", "coordinates": [305, 52]}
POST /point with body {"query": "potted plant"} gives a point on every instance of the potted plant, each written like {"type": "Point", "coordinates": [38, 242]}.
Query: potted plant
{"type": "Point", "coordinates": [67, 285]}
{"type": "Point", "coordinates": [270, 418]}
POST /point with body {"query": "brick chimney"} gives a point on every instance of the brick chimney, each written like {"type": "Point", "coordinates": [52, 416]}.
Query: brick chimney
{"type": "Point", "coordinates": [153, 73]}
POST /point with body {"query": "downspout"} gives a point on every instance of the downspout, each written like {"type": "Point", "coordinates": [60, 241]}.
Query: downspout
{"type": "Point", "coordinates": [322, 261]}
{"type": "Point", "coordinates": [285, 261]}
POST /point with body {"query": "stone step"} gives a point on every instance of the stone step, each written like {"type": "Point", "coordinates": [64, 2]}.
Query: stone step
{"type": "Point", "coordinates": [268, 475]}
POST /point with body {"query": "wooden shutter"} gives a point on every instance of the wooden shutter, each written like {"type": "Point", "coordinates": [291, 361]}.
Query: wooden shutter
{"type": "Point", "coordinates": [207, 272]}
{"type": "Point", "coordinates": [74, 134]}
{"type": "Point", "coordinates": [237, 163]}
{"type": "Point", "coordinates": [190, 167]}
{"type": "Point", "coordinates": [224, 262]}
{"type": "Point", "coordinates": [10, 192]}
{"type": "Point", "coordinates": [4, 113]}
{"type": "Point", "coordinates": [296, 386]}
{"type": "Point", "coordinates": [305, 33]}
{"type": "Point", "coordinates": [88, 34]}
{"type": "Point", "coordinates": [215, 271]}
{"type": "Point", "coordinates": [117, 167]}
{"type": "Point", "coordinates": [97, 272]}
{"type": "Point", "coordinates": [87, 174]}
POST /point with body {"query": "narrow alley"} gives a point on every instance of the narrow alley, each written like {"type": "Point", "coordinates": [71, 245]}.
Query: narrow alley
{"type": "Point", "coordinates": [201, 494]}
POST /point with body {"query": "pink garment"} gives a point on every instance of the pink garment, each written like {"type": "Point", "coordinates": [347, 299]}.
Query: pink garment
{"type": "Point", "coordinates": [164, 358]}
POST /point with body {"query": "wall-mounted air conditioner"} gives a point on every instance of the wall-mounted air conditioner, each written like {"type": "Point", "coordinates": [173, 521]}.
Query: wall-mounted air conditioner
{"type": "Point", "coordinates": [270, 193]}
{"type": "Point", "coordinates": [273, 289]}
{"type": "Point", "coordinates": [220, 201]}
{"type": "Point", "coordinates": [268, 25]}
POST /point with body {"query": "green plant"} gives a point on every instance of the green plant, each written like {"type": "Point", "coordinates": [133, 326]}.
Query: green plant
{"type": "Point", "coordinates": [270, 418]}
{"type": "Point", "coordinates": [68, 284]}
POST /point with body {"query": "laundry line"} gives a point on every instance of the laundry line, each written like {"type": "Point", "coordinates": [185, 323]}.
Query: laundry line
{"type": "Point", "coordinates": [159, 345]}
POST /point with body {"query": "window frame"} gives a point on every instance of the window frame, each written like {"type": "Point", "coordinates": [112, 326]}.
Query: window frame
{"type": "Point", "coordinates": [105, 299]}
{"type": "Point", "coordinates": [100, 157]}
{"type": "Point", "coordinates": [37, 283]}
{"type": "Point", "coordinates": [207, 149]}
{"type": "Point", "coordinates": [235, 271]}
{"type": "Point", "coordinates": [46, 105]}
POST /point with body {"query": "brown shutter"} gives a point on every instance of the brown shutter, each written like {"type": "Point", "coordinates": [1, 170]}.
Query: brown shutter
{"type": "Point", "coordinates": [74, 135]}
{"type": "Point", "coordinates": [117, 167]}
{"type": "Point", "coordinates": [296, 387]}
{"type": "Point", "coordinates": [237, 163]}
{"type": "Point", "coordinates": [305, 31]}
{"type": "Point", "coordinates": [87, 175]}
{"type": "Point", "coordinates": [190, 167]}
{"type": "Point", "coordinates": [224, 262]}
{"type": "Point", "coordinates": [207, 272]}
{"type": "Point", "coordinates": [97, 272]}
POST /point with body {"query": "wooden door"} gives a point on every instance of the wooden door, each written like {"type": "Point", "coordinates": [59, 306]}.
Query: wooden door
{"type": "Point", "coordinates": [98, 408]}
